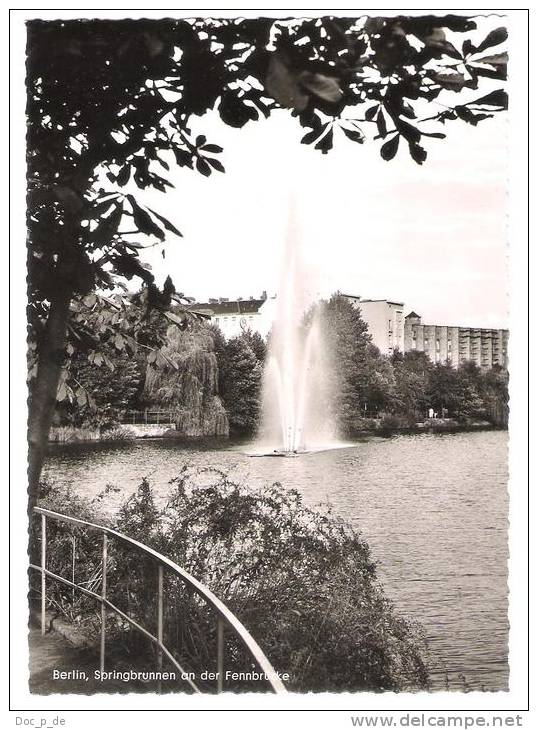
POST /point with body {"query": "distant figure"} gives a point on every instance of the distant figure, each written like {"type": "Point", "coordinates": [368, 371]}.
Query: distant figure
{"type": "Point", "coordinates": [430, 413]}
{"type": "Point", "coordinates": [435, 414]}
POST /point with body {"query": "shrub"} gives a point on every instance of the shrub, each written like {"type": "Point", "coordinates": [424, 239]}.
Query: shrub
{"type": "Point", "coordinates": [68, 434]}
{"type": "Point", "coordinates": [73, 551]}
{"type": "Point", "coordinates": [301, 580]}
{"type": "Point", "coordinates": [119, 433]}
{"type": "Point", "coordinates": [361, 425]}
{"type": "Point", "coordinates": [390, 422]}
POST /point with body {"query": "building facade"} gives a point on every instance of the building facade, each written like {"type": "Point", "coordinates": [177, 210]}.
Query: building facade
{"type": "Point", "coordinates": [385, 322]}
{"type": "Point", "coordinates": [455, 345]}
{"type": "Point", "coordinates": [389, 330]}
{"type": "Point", "coordinates": [235, 316]}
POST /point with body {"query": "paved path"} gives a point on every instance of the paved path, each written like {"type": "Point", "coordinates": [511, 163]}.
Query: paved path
{"type": "Point", "coordinates": [51, 652]}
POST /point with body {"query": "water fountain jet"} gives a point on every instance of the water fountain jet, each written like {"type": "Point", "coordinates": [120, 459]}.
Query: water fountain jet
{"type": "Point", "coordinates": [296, 386]}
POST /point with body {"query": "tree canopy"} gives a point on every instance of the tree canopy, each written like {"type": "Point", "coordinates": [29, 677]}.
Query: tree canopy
{"type": "Point", "coordinates": [240, 380]}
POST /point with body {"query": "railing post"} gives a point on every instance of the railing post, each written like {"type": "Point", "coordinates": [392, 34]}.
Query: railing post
{"type": "Point", "coordinates": [43, 567]}
{"type": "Point", "coordinates": [220, 653]}
{"type": "Point", "coordinates": [160, 624]}
{"type": "Point", "coordinates": [74, 557]}
{"type": "Point", "coordinates": [103, 605]}
{"type": "Point", "coordinates": [221, 613]}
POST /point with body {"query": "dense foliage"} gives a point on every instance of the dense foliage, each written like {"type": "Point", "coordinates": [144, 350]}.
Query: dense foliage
{"type": "Point", "coordinates": [400, 389]}
{"type": "Point", "coordinates": [194, 372]}
{"type": "Point", "coordinates": [362, 379]}
{"type": "Point", "coordinates": [99, 396]}
{"type": "Point", "coordinates": [241, 361]}
{"type": "Point", "coordinates": [189, 371]}
{"type": "Point", "coordinates": [301, 580]}
{"type": "Point", "coordinates": [469, 392]}
{"type": "Point", "coordinates": [111, 343]}
{"type": "Point", "coordinates": [186, 381]}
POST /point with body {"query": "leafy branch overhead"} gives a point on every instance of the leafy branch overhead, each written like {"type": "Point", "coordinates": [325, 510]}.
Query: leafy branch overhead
{"type": "Point", "coordinates": [113, 102]}
{"type": "Point", "coordinates": [391, 70]}
{"type": "Point", "coordinates": [105, 330]}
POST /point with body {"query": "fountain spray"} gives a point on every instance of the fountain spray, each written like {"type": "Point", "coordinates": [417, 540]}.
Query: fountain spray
{"type": "Point", "coordinates": [295, 393]}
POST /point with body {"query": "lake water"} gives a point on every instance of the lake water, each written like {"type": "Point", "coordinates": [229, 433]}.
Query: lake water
{"type": "Point", "coordinates": [434, 509]}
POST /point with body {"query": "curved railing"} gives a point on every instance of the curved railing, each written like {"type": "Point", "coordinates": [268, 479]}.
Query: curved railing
{"type": "Point", "coordinates": [224, 616]}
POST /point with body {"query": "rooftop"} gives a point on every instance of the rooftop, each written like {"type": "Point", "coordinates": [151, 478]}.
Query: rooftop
{"type": "Point", "coordinates": [371, 301]}
{"type": "Point", "coordinates": [225, 306]}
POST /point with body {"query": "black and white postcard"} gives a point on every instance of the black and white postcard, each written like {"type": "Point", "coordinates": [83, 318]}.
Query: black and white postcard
{"type": "Point", "coordinates": [270, 307]}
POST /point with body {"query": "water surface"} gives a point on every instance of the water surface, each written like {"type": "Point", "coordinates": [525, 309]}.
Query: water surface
{"type": "Point", "coordinates": [434, 509]}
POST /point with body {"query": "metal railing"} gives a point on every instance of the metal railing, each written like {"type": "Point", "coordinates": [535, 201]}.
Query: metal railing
{"type": "Point", "coordinates": [159, 416]}
{"type": "Point", "coordinates": [224, 617]}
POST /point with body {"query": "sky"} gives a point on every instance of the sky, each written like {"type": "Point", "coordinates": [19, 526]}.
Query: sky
{"type": "Point", "coordinates": [430, 236]}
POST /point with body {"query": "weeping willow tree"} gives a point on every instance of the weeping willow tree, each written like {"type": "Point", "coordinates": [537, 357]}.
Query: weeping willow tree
{"type": "Point", "coordinates": [187, 381]}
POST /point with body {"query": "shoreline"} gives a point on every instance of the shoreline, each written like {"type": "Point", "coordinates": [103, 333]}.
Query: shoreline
{"type": "Point", "coordinates": [66, 435]}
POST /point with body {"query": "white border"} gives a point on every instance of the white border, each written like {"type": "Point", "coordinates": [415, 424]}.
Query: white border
{"type": "Point", "coordinates": [512, 701]}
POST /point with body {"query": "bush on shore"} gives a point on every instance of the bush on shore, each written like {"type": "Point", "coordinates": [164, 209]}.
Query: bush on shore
{"type": "Point", "coordinates": [118, 433]}
{"type": "Point", "coordinates": [390, 423]}
{"type": "Point", "coordinates": [301, 580]}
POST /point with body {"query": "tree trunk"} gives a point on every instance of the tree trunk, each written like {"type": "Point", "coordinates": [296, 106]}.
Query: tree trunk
{"type": "Point", "coordinates": [43, 399]}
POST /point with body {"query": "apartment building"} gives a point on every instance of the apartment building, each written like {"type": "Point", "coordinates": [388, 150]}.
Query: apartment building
{"type": "Point", "coordinates": [443, 343]}
{"type": "Point", "coordinates": [385, 322]}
